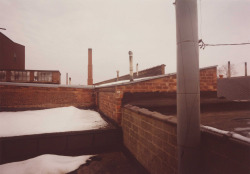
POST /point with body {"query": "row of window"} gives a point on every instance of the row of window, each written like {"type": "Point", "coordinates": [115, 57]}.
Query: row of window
{"type": "Point", "coordinates": [25, 76]}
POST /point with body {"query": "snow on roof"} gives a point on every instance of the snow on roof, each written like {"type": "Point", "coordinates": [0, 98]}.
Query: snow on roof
{"type": "Point", "coordinates": [228, 133]}
{"type": "Point", "coordinates": [47, 85]}
{"type": "Point", "coordinates": [48, 121]}
{"type": "Point", "coordinates": [45, 164]}
{"type": "Point", "coordinates": [126, 82]}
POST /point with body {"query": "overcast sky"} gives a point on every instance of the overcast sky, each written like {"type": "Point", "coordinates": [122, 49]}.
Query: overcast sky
{"type": "Point", "coordinates": [57, 34]}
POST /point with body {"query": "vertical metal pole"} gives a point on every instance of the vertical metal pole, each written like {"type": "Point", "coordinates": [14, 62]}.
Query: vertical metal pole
{"type": "Point", "coordinates": [137, 73]}
{"type": "Point", "coordinates": [188, 88]}
{"type": "Point", "coordinates": [131, 65]}
{"type": "Point", "coordinates": [245, 68]}
{"type": "Point", "coordinates": [117, 79]}
{"type": "Point", "coordinates": [228, 70]}
{"type": "Point", "coordinates": [67, 79]}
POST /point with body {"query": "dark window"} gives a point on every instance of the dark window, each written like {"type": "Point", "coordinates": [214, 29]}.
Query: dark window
{"type": "Point", "coordinates": [2, 76]}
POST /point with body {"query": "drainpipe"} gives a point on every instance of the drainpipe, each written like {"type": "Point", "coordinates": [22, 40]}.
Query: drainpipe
{"type": "Point", "coordinates": [228, 70]}
{"type": "Point", "coordinates": [117, 79]}
{"type": "Point", "coordinates": [67, 79]}
{"type": "Point", "coordinates": [245, 68]}
{"type": "Point", "coordinates": [137, 73]}
{"type": "Point", "coordinates": [131, 65]}
{"type": "Point", "coordinates": [188, 88]}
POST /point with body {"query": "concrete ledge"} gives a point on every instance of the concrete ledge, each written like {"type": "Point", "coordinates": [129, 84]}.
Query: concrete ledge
{"type": "Point", "coordinates": [67, 143]}
{"type": "Point", "coordinates": [46, 85]}
{"type": "Point", "coordinates": [154, 115]}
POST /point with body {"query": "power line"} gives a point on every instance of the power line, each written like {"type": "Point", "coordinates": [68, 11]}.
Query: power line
{"type": "Point", "coordinates": [203, 45]}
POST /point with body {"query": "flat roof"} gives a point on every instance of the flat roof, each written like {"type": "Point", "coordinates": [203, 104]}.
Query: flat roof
{"type": "Point", "coordinates": [47, 85]}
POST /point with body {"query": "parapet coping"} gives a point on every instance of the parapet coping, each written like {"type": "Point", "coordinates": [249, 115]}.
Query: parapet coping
{"type": "Point", "coordinates": [47, 85]}
{"type": "Point", "coordinates": [142, 79]}
{"type": "Point", "coordinates": [154, 115]}
{"type": "Point", "coordinates": [232, 136]}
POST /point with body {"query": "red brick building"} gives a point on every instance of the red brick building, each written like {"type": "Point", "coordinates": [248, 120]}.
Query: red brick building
{"type": "Point", "coordinates": [12, 55]}
{"type": "Point", "coordinates": [12, 65]}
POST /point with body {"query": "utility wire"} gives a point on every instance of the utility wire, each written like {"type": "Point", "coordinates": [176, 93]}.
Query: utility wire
{"type": "Point", "coordinates": [203, 45]}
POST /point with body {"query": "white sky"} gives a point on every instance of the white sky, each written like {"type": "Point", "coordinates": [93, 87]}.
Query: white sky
{"type": "Point", "coordinates": [58, 33]}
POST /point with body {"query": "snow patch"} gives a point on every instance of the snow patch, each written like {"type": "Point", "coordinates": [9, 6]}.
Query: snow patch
{"type": "Point", "coordinates": [48, 121]}
{"type": "Point", "coordinates": [228, 133]}
{"type": "Point", "coordinates": [45, 164]}
{"type": "Point", "coordinates": [242, 129]}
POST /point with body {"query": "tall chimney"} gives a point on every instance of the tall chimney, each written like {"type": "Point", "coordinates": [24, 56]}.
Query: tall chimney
{"type": "Point", "coordinates": [70, 81]}
{"type": "Point", "coordinates": [131, 65]}
{"type": "Point", "coordinates": [117, 79]}
{"type": "Point", "coordinates": [228, 70]}
{"type": "Point", "coordinates": [90, 70]}
{"type": "Point", "coordinates": [67, 82]}
{"type": "Point", "coordinates": [137, 73]}
{"type": "Point", "coordinates": [245, 68]}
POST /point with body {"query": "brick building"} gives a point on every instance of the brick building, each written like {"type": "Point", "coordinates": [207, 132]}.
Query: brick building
{"type": "Point", "coordinates": [12, 65]}
{"type": "Point", "coordinates": [12, 55]}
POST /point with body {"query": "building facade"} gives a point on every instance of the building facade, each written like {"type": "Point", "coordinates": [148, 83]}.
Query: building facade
{"type": "Point", "coordinates": [12, 55]}
{"type": "Point", "coordinates": [12, 65]}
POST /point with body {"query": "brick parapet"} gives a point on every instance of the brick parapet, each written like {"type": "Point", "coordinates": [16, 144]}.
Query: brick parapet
{"type": "Point", "coordinates": [151, 138]}
{"type": "Point", "coordinates": [28, 97]}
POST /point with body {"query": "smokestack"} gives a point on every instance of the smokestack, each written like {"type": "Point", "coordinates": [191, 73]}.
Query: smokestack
{"type": "Point", "coordinates": [67, 82]}
{"type": "Point", "coordinates": [90, 70]}
{"type": "Point", "coordinates": [137, 73]}
{"type": "Point", "coordinates": [131, 65]}
{"type": "Point", "coordinates": [245, 68]}
{"type": "Point", "coordinates": [117, 79]}
{"type": "Point", "coordinates": [228, 70]}
{"type": "Point", "coordinates": [70, 81]}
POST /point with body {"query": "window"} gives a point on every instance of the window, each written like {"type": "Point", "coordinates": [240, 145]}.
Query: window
{"type": "Point", "coordinates": [20, 76]}
{"type": "Point", "coordinates": [2, 76]}
{"type": "Point", "coordinates": [44, 76]}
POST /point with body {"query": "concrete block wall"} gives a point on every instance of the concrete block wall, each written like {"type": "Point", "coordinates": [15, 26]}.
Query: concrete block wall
{"type": "Point", "coordinates": [152, 139]}
{"type": "Point", "coordinates": [111, 107]}
{"type": "Point", "coordinates": [13, 97]}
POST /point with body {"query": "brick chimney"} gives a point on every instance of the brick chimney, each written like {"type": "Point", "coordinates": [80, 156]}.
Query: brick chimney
{"type": "Point", "coordinates": [90, 67]}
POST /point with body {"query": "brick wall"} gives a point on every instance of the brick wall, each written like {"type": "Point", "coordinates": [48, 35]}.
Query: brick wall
{"type": "Point", "coordinates": [208, 79]}
{"type": "Point", "coordinates": [12, 55]}
{"type": "Point", "coordinates": [154, 71]}
{"type": "Point", "coordinates": [166, 83]}
{"type": "Point", "coordinates": [151, 138]}
{"type": "Point", "coordinates": [39, 96]}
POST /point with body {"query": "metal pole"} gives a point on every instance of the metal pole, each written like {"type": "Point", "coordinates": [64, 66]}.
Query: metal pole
{"type": "Point", "coordinates": [67, 79]}
{"type": "Point", "coordinates": [228, 70]}
{"type": "Point", "coordinates": [131, 65]}
{"type": "Point", "coordinates": [70, 81]}
{"type": "Point", "coordinates": [117, 79]}
{"type": "Point", "coordinates": [137, 73]}
{"type": "Point", "coordinates": [188, 88]}
{"type": "Point", "coordinates": [245, 68]}
{"type": "Point", "coordinates": [2, 28]}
